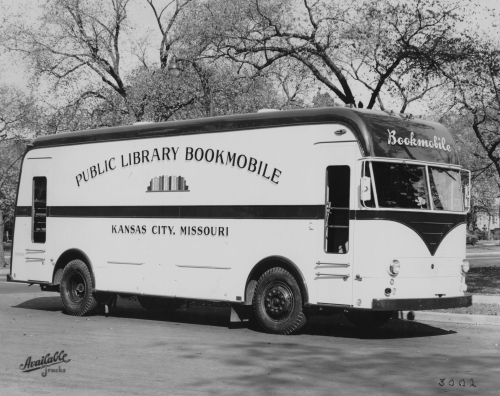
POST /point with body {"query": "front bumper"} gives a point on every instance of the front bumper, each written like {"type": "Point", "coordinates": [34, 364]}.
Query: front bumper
{"type": "Point", "coordinates": [416, 304]}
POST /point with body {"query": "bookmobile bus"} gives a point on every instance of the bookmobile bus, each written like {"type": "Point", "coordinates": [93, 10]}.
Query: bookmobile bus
{"type": "Point", "coordinates": [280, 214]}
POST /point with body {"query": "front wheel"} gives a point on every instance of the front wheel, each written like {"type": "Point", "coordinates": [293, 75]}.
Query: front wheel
{"type": "Point", "coordinates": [76, 289]}
{"type": "Point", "coordinates": [277, 302]}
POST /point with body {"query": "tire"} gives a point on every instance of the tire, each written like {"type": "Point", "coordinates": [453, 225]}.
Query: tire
{"type": "Point", "coordinates": [76, 289]}
{"type": "Point", "coordinates": [277, 302]}
{"type": "Point", "coordinates": [367, 320]}
{"type": "Point", "coordinates": [159, 306]}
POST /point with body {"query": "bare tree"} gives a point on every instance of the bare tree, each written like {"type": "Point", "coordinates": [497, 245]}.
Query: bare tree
{"type": "Point", "coordinates": [75, 39]}
{"type": "Point", "coordinates": [86, 49]}
{"type": "Point", "coordinates": [374, 42]}
{"type": "Point", "coordinates": [166, 18]}
{"type": "Point", "coordinates": [477, 94]}
{"type": "Point", "coordinates": [17, 115]}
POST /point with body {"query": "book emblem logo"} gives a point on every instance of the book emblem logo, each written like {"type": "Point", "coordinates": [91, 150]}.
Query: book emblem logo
{"type": "Point", "coordinates": [168, 184]}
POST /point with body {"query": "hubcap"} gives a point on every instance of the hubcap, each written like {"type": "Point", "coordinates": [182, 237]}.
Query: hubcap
{"type": "Point", "coordinates": [77, 287]}
{"type": "Point", "coordinates": [278, 301]}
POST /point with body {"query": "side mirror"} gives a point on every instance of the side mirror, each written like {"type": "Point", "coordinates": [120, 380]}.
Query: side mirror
{"type": "Point", "coordinates": [366, 188]}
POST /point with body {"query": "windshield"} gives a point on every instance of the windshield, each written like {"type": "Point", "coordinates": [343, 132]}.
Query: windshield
{"type": "Point", "coordinates": [402, 185]}
{"type": "Point", "coordinates": [445, 189]}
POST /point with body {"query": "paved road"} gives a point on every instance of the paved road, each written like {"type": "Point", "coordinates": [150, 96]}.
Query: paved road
{"type": "Point", "coordinates": [10, 288]}
{"type": "Point", "coordinates": [195, 353]}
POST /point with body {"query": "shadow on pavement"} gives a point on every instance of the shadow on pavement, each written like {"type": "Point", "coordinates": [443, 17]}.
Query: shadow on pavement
{"type": "Point", "coordinates": [328, 326]}
{"type": "Point", "coordinates": [339, 327]}
{"type": "Point", "coordinates": [52, 304]}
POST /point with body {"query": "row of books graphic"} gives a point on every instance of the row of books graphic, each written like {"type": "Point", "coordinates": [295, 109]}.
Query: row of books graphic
{"type": "Point", "coordinates": [168, 183]}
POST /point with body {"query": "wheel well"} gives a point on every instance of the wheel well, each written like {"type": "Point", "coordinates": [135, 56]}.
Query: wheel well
{"type": "Point", "coordinates": [65, 258]}
{"type": "Point", "coordinates": [268, 263]}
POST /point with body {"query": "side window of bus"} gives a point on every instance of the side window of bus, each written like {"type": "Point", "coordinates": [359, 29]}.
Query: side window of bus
{"type": "Point", "coordinates": [338, 186]}
{"type": "Point", "coordinates": [39, 209]}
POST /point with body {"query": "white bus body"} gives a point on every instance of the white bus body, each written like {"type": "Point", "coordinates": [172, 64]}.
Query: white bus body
{"type": "Point", "coordinates": [261, 209]}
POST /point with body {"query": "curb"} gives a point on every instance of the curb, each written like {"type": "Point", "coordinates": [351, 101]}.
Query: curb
{"type": "Point", "coordinates": [492, 253]}
{"type": "Point", "coordinates": [485, 299]}
{"type": "Point", "coordinates": [419, 316]}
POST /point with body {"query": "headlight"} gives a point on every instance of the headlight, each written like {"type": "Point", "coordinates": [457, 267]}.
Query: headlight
{"type": "Point", "coordinates": [465, 266]}
{"type": "Point", "coordinates": [394, 267]}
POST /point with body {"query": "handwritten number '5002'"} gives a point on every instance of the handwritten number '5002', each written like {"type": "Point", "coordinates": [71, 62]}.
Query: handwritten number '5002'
{"type": "Point", "coordinates": [452, 383]}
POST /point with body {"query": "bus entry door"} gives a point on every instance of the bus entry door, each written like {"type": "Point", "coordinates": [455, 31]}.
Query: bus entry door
{"type": "Point", "coordinates": [333, 270]}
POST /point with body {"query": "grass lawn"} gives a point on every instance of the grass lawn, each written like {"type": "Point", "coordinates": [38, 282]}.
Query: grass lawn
{"type": "Point", "coordinates": [483, 280]}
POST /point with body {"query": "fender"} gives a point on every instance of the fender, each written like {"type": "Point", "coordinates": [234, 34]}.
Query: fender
{"type": "Point", "coordinates": [261, 267]}
{"type": "Point", "coordinates": [71, 254]}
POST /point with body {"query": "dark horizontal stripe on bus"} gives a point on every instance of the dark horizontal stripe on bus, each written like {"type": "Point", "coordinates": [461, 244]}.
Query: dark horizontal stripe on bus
{"type": "Point", "coordinates": [415, 220]}
{"type": "Point", "coordinates": [432, 227]}
{"type": "Point", "coordinates": [195, 212]}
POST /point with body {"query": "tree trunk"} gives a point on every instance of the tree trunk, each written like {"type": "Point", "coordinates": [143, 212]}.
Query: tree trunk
{"type": "Point", "coordinates": [489, 227]}
{"type": "Point", "coordinates": [2, 258]}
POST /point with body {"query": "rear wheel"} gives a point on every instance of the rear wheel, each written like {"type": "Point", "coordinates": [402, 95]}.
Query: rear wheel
{"type": "Point", "coordinates": [366, 319]}
{"type": "Point", "coordinates": [277, 302]}
{"type": "Point", "coordinates": [76, 289]}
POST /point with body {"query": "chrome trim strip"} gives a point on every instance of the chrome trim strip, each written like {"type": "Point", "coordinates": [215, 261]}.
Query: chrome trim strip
{"type": "Point", "coordinates": [34, 251]}
{"type": "Point", "coordinates": [336, 141]}
{"type": "Point", "coordinates": [383, 208]}
{"type": "Point", "coordinates": [201, 266]}
{"type": "Point", "coordinates": [410, 161]}
{"type": "Point", "coordinates": [428, 193]}
{"type": "Point", "coordinates": [334, 264]}
{"type": "Point", "coordinates": [333, 275]}
{"type": "Point", "coordinates": [120, 262]}
{"type": "Point", "coordinates": [374, 186]}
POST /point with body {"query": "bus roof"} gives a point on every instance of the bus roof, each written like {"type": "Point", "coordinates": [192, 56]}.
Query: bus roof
{"type": "Point", "coordinates": [379, 133]}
